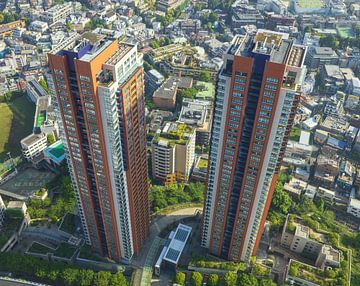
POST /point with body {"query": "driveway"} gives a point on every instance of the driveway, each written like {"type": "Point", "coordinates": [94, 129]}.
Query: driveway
{"type": "Point", "coordinates": [148, 256]}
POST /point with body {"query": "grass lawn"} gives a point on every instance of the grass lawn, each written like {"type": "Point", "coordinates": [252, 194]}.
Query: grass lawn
{"type": "Point", "coordinates": [16, 122]}
{"type": "Point", "coordinates": [295, 134]}
{"type": "Point", "coordinates": [203, 164]}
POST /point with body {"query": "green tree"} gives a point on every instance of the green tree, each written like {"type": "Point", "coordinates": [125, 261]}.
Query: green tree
{"type": "Point", "coordinates": [188, 93]}
{"type": "Point", "coordinates": [267, 282]}
{"type": "Point", "coordinates": [1, 18]}
{"type": "Point", "coordinates": [102, 278]}
{"type": "Point", "coordinates": [180, 278]}
{"type": "Point", "coordinates": [230, 279]}
{"type": "Point", "coordinates": [281, 200]}
{"type": "Point", "coordinates": [205, 76]}
{"type": "Point", "coordinates": [69, 276]}
{"type": "Point", "coordinates": [294, 270]}
{"type": "Point", "coordinates": [329, 41]}
{"type": "Point", "coordinates": [85, 277]}
{"type": "Point", "coordinates": [118, 279]}
{"type": "Point", "coordinates": [247, 279]}
{"type": "Point", "coordinates": [213, 280]}
{"type": "Point", "coordinates": [196, 279]}
{"type": "Point", "coordinates": [50, 139]}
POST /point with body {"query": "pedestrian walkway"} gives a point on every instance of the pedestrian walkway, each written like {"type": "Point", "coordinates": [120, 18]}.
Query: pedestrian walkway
{"type": "Point", "coordinates": [150, 261]}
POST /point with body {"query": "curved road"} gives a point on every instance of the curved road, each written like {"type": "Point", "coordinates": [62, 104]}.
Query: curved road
{"type": "Point", "coordinates": [147, 257]}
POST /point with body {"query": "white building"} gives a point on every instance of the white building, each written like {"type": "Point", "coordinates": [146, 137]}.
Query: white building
{"type": "Point", "coordinates": [354, 207]}
{"type": "Point", "coordinates": [57, 13]}
{"type": "Point", "coordinates": [33, 145]}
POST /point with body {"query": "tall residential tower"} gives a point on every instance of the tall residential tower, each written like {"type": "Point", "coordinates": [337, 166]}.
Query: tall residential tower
{"type": "Point", "coordinates": [99, 87]}
{"type": "Point", "coordinates": [258, 90]}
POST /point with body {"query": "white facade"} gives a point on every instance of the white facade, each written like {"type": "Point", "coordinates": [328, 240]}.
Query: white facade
{"type": "Point", "coordinates": [33, 145]}
{"type": "Point", "coordinates": [354, 207]}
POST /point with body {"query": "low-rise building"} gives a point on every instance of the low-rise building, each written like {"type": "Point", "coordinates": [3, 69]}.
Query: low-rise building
{"type": "Point", "coordinates": [173, 152]}
{"type": "Point", "coordinates": [305, 241]}
{"type": "Point", "coordinates": [198, 114]}
{"type": "Point", "coordinates": [165, 96]}
{"type": "Point", "coordinates": [57, 13]}
{"type": "Point", "coordinates": [157, 118]}
{"type": "Point", "coordinates": [332, 78]}
{"type": "Point", "coordinates": [153, 80]}
{"type": "Point", "coordinates": [326, 194]}
{"type": "Point", "coordinates": [326, 170]}
{"type": "Point", "coordinates": [33, 145]}
{"type": "Point", "coordinates": [200, 169]}
{"type": "Point", "coordinates": [54, 155]}
{"type": "Point", "coordinates": [319, 56]}
{"type": "Point", "coordinates": [7, 29]}
{"type": "Point", "coordinates": [173, 249]}
{"type": "Point", "coordinates": [295, 187]}
{"type": "Point", "coordinates": [321, 136]}
{"type": "Point", "coordinates": [353, 207]}
{"type": "Point", "coordinates": [17, 206]}
{"type": "Point", "coordinates": [35, 91]}
{"type": "Point", "coordinates": [166, 5]}
{"type": "Point", "coordinates": [347, 176]}
{"type": "Point", "coordinates": [335, 125]}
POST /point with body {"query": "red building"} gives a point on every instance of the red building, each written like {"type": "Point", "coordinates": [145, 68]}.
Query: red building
{"type": "Point", "coordinates": [99, 87]}
{"type": "Point", "coordinates": [258, 89]}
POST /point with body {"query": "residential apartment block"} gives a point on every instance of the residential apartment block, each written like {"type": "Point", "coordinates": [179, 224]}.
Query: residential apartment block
{"type": "Point", "coordinates": [173, 152]}
{"type": "Point", "coordinates": [258, 90]}
{"type": "Point", "coordinates": [98, 82]}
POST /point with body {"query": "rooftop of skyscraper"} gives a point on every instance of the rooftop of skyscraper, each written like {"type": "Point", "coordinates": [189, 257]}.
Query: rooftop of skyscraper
{"type": "Point", "coordinates": [87, 45]}
{"type": "Point", "coordinates": [276, 45]}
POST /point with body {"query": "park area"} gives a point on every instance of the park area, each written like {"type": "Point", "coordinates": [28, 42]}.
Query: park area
{"type": "Point", "coordinates": [16, 122]}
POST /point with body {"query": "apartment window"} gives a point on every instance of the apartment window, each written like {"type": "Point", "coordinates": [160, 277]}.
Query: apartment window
{"type": "Point", "coordinates": [84, 78]}
{"type": "Point", "coordinates": [272, 80]}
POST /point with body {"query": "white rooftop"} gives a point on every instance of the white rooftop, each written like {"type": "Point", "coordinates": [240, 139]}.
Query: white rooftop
{"type": "Point", "coordinates": [177, 243]}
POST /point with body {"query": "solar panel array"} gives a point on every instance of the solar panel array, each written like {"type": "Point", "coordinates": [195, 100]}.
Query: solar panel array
{"type": "Point", "coordinates": [172, 254]}
{"type": "Point", "coordinates": [181, 235]}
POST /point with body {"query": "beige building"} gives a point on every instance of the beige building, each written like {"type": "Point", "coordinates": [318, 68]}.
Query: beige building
{"type": "Point", "coordinates": [303, 240]}
{"type": "Point", "coordinates": [173, 152]}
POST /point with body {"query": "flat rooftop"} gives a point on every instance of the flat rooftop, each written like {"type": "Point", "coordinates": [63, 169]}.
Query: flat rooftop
{"type": "Point", "coordinates": [177, 243]}
{"type": "Point", "coordinates": [31, 139]}
{"type": "Point", "coordinates": [276, 45]}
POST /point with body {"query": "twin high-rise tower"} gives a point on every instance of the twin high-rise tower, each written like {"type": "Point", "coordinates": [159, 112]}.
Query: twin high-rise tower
{"type": "Point", "coordinates": [99, 86]}
{"type": "Point", "coordinates": [98, 83]}
{"type": "Point", "coordinates": [258, 90]}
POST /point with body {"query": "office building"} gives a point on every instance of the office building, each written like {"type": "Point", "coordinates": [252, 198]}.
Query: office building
{"type": "Point", "coordinates": [98, 82]}
{"type": "Point", "coordinates": [258, 89]}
